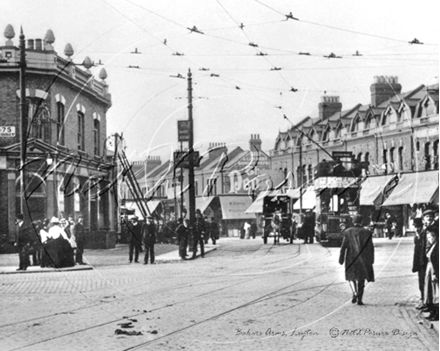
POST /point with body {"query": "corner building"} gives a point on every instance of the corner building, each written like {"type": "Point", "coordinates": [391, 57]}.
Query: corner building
{"type": "Point", "coordinates": [67, 169]}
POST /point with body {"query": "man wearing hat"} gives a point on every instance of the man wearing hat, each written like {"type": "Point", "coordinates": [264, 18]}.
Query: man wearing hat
{"type": "Point", "coordinates": [417, 259]}
{"type": "Point", "coordinates": [22, 242]}
{"type": "Point", "coordinates": [423, 248]}
{"type": "Point", "coordinates": [198, 233]}
{"type": "Point", "coordinates": [80, 236]}
{"type": "Point", "coordinates": [149, 239]}
{"type": "Point", "coordinates": [357, 251]}
{"type": "Point", "coordinates": [135, 235]}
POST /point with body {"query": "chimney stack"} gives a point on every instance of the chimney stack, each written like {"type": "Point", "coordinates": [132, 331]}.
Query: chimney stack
{"type": "Point", "coordinates": [255, 142]}
{"type": "Point", "coordinates": [328, 106]}
{"type": "Point", "coordinates": [384, 88]}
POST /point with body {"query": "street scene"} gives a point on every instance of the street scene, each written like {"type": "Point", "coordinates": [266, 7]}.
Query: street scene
{"type": "Point", "coordinates": [242, 296]}
{"type": "Point", "coordinates": [219, 175]}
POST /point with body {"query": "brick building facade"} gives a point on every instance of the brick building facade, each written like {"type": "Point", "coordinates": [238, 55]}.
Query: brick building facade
{"type": "Point", "coordinates": [67, 169]}
{"type": "Point", "coordinates": [396, 132]}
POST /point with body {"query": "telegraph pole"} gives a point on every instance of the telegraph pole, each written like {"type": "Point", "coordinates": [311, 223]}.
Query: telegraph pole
{"type": "Point", "coordinates": [23, 121]}
{"type": "Point", "coordinates": [192, 199]}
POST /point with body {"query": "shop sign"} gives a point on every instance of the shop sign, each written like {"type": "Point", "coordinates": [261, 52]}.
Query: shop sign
{"type": "Point", "coordinates": [335, 182]}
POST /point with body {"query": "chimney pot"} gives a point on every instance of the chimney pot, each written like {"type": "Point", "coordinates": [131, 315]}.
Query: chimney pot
{"type": "Point", "coordinates": [38, 44]}
{"type": "Point", "coordinates": [30, 44]}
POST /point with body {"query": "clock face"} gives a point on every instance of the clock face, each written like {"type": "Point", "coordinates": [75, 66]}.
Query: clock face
{"type": "Point", "coordinates": [110, 143]}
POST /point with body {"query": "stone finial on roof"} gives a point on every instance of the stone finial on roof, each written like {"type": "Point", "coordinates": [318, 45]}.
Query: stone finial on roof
{"type": "Point", "coordinates": [50, 37]}
{"type": "Point", "coordinates": [87, 63]}
{"type": "Point", "coordinates": [68, 50]}
{"type": "Point", "coordinates": [103, 74]}
{"type": "Point", "coordinates": [9, 34]}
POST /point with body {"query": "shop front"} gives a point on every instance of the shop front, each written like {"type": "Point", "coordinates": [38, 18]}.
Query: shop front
{"type": "Point", "coordinates": [233, 213]}
{"type": "Point", "coordinates": [411, 196]}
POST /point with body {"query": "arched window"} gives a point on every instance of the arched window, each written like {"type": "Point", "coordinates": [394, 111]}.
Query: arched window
{"type": "Point", "coordinates": [40, 120]}
{"type": "Point", "coordinates": [355, 125]}
{"type": "Point", "coordinates": [435, 153]}
{"type": "Point", "coordinates": [325, 135]}
{"type": "Point", "coordinates": [60, 123]}
{"type": "Point", "coordinates": [392, 159]}
{"type": "Point", "coordinates": [427, 157]}
{"type": "Point", "coordinates": [384, 119]}
{"type": "Point", "coordinates": [385, 160]}
{"type": "Point", "coordinates": [339, 132]}
{"type": "Point", "coordinates": [81, 130]}
{"type": "Point", "coordinates": [309, 174]}
{"type": "Point", "coordinates": [400, 158]}
{"type": "Point", "coordinates": [370, 122]}
{"type": "Point", "coordinates": [96, 135]}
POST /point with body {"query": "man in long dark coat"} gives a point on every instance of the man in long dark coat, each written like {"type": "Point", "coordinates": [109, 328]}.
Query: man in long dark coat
{"type": "Point", "coordinates": [417, 259]}
{"type": "Point", "coordinates": [357, 251]}
{"type": "Point", "coordinates": [182, 237]}
{"type": "Point", "coordinates": [135, 235]}
{"type": "Point", "coordinates": [149, 238]}
{"type": "Point", "coordinates": [22, 242]}
{"type": "Point", "coordinates": [422, 260]}
{"type": "Point", "coordinates": [199, 231]}
{"type": "Point", "coordinates": [80, 237]}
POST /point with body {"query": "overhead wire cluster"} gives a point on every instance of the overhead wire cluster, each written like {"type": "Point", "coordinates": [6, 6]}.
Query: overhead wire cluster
{"type": "Point", "coordinates": [225, 76]}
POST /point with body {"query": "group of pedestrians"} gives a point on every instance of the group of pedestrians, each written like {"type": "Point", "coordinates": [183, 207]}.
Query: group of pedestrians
{"type": "Point", "coordinates": [425, 263]}
{"type": "Point", "coordinates": [203, 231]}
{"type": "Point", "coordinates": [141, 236]}
{"type": "Point", "coordinates": [56, 243]}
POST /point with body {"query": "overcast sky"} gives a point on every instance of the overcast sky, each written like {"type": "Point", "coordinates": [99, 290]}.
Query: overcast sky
{"type": "Point", "coordinates": [246, 95]}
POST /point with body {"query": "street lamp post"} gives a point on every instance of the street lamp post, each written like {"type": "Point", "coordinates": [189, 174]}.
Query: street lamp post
{"type": "Point", "coordinates": [192, 200]}
{"type": "Point", "coordinates": [23, 121]}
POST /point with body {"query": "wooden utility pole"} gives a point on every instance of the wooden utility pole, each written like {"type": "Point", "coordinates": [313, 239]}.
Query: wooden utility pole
{"type": "Point", "coordinates": [23, 122]}
{"type": "Point", "coordinates": [192, 194]}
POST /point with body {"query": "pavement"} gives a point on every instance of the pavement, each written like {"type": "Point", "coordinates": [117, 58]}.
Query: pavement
{"type": "Point", "coordinates": [167, 257]}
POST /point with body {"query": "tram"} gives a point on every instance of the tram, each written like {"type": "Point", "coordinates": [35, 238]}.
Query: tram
{"type": "Point", "coordinates": [337, 188]}
{"type": "Point", "coordinates": [277, 216]}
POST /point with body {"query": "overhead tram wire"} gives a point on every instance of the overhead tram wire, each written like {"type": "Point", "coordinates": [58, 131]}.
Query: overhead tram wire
{"type": "Point", "coordinates": [338, 28]}
{"type": "Point", "coordinates": [139, 26]}
{"type": "Point", "coordinates": [244, 32]}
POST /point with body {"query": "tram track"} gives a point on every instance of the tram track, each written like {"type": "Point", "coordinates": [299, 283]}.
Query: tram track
{"type": "Point", "coordinates": [208, 293]}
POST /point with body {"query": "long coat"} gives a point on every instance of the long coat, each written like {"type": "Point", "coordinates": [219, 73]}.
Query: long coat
{"type": "Point", "coordinates": [357, 251]}
{"type": "Point", "coordinates": [136, 233]}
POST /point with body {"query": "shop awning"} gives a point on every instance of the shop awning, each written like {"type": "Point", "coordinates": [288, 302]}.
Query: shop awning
{"type": "Point", "coordinates": [308, 200]}
{"type": "Point", "coordinates": [372, 190]}
{"type": "Point", "coordinates": [414, 188]}
{"type": "Point", "coordinates": [234, 207]}
{"type": "Point", "coordinates": [152, 206]}
{"type": "Point", "coordinates": [203, 202]}
{"type": "Point", "coordinates": [257, 205]}
{"type": "Point", "coordinates": [294, 193]}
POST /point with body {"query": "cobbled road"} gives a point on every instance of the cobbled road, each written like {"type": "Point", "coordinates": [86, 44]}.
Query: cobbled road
{"type": "Point", "coordinates": [242, 296]}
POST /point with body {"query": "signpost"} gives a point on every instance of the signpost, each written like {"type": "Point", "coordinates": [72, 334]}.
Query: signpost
{"type": "Point", "coordinates": [181, 158]}
{"type": "Point", "coordinates": [183, 130]}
